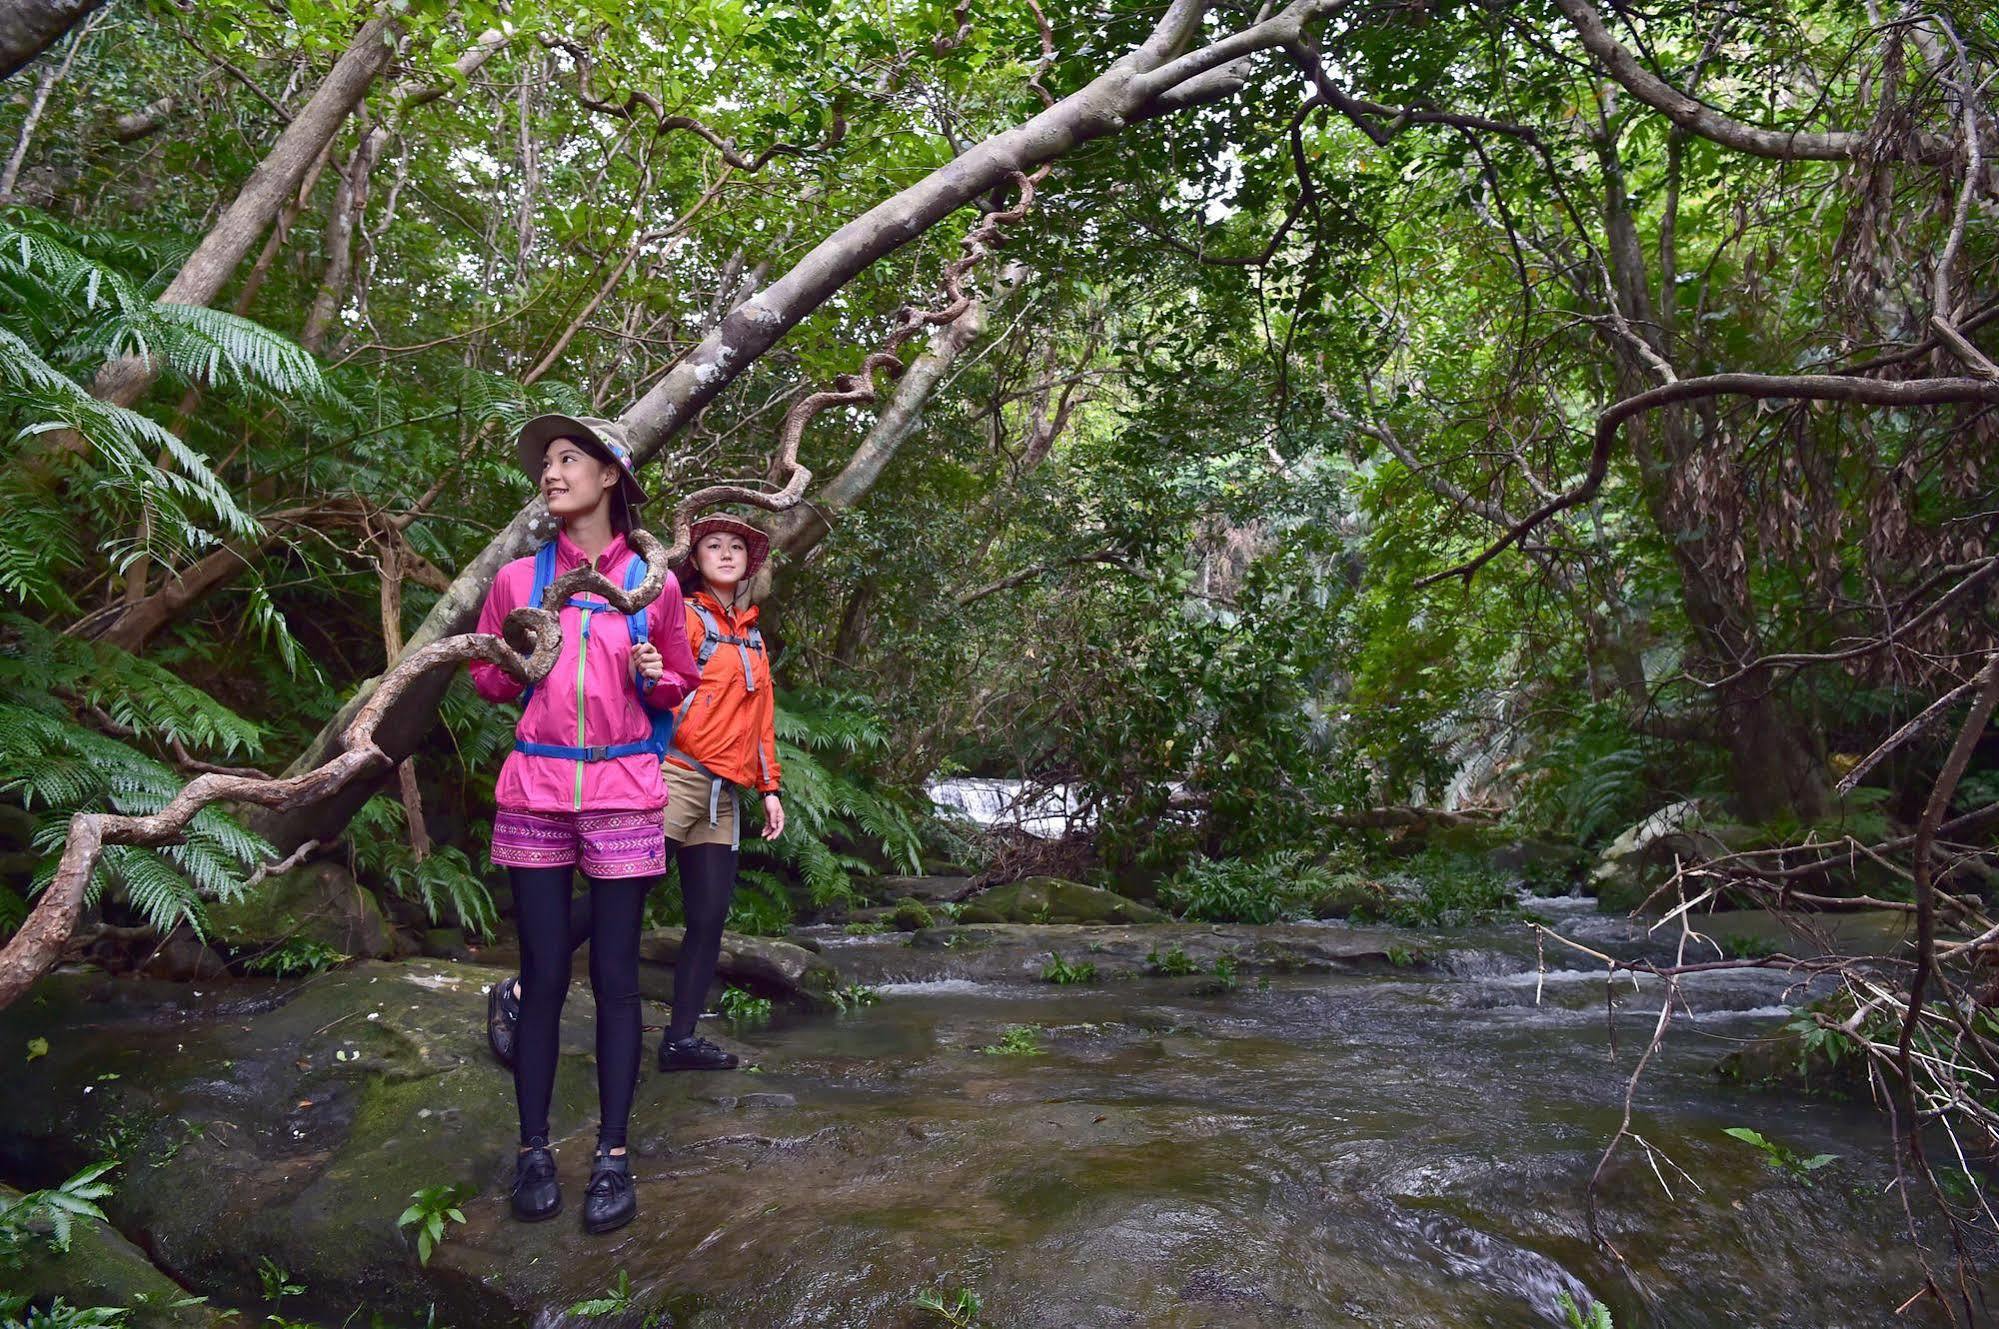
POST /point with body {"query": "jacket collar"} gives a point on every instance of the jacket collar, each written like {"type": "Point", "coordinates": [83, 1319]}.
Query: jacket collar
{"type": "Point", "coordinates": [741, 618]}
{"type": "Point", "coordinates": [569, 554]}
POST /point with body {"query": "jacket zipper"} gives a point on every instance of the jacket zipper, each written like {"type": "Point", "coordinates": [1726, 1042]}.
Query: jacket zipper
{"type": "Point", "coordinates": [582, 657]}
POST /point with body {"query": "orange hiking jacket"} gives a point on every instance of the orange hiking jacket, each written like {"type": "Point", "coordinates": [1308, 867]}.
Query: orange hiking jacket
{"type": "Point", "coordinates": [730, 723]}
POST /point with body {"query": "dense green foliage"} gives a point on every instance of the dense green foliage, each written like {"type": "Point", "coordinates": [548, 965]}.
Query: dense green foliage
{"type": "Point", "coordinates": [1160, 536]}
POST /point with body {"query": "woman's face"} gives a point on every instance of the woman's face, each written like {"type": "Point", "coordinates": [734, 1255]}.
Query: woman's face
{"type": "Point", "coordinates": [722, 559]}
{"type": "Point", "coordinates": [572, 481]}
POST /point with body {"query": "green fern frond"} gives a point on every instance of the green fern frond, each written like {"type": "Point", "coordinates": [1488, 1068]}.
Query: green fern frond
{"type": "Point", "coordinates": [163, 897]}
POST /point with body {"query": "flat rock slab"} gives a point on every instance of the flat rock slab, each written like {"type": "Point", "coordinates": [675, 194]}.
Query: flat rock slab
{"type": "Point", "coordinates": [764, 965]}
{"type": "Point", "coordinates": [999, 952]}
{"type": "Point", "coordinates": [1343, 1147]}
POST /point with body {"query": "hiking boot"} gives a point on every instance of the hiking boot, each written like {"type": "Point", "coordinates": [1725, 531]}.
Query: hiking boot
{"type": "Point", "coordinates": [610, 1200]}
{"type": "Point", "coordinates": [503, 1019]}
{"type": "Point", "coordinates": [694, 1054]}
{"type": "Point", "coordinates": [537, 1194]}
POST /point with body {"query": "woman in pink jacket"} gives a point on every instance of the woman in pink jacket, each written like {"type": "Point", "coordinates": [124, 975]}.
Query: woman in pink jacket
{"type": "Point", "coordinates": [581, 789]}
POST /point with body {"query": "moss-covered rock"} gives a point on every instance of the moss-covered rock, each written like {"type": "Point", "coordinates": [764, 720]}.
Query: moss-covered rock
{"type": "Point", "coordinates": [1350, 893]}
{"type": "Point", "coordinates": [318, 902]}
{"type": "Point", "coordinates": [910, 916]}
{"type": "Point", "coordinates": [766, 966]}
{"type": "Point", "coordinates": [446, 944]}
{"type": "Point", "coordinates": [1055, 900]}
{"type": "Point", "coordinates": [928, 888]}
{"type": "Point", "coordinates": [101, 1268]}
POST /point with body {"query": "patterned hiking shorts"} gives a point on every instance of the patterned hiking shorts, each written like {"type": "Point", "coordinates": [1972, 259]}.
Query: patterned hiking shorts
{"type": "Point", "coordinates": [604, 844]}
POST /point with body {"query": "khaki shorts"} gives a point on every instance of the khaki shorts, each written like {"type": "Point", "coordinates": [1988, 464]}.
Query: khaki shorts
{"type": "Point", "coordinates": [687, 800]}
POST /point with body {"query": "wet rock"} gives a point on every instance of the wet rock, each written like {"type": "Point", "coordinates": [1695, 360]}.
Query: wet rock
{"type": "Point", "coordinates": [1054, 900]}
{"type": "Point", "coordinates": [928, 889]}
{"type": "Point", "coordinates": [447, 944]}
{"type": "Point", "coordinates": [102, 1268]}
{"type": "Point", "coordinates": [764, 965]}
{"type": "Point", "coordinates": [184, 956]}
{"type": "Point", "coordinates": [1530, 858]}
{"type": "Point", "coordinates": [1003, 951]}
{"type": "Point", "coordinates": [768, 1101]}
{"type": "Point", "coordinates": [1350, 893]}
{"type": "Point", "coordinates": [318, 902]}
{"type": "Point", "coordinates": [1264, 1159]}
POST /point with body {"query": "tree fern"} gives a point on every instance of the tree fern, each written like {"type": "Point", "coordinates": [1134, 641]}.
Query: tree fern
{"type": "Point", "coordinates": [444, 882]}
{"type": "Point", "coordinates": [137, 694]}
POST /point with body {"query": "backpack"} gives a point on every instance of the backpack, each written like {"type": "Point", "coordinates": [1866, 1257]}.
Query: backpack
{"type": "Point", "coordinates": [662, 722]}
{"type": "Point", "coordinates": [712, 636]}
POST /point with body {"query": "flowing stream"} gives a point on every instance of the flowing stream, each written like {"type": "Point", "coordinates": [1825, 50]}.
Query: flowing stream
{"type": "Point", "coordinates": [1372, 1128]}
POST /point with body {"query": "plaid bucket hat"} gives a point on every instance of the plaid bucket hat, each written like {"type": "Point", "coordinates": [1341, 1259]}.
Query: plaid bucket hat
{"type": "Point", "coordinates": [603, 439]}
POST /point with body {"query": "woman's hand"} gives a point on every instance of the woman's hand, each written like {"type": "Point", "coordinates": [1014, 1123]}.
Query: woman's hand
{"type": "Point", "coordinates": [648, 661]}
{"type": "Point", "coordinates": [773, 816]}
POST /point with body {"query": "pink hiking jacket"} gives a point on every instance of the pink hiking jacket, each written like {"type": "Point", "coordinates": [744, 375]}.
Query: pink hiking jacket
{"type": "Point", "coordinates": [589, 699]}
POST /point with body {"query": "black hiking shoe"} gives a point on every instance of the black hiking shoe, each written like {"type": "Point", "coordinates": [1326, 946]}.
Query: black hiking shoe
{"type": "Point", "coordinates": [610, 1200]}
{"type": "Point", "coordinates": [694, 1054]}
{"type": "Point", "coordinates": [537, 1194]}
{"type": "Point", "coordinates": [503, 1019]}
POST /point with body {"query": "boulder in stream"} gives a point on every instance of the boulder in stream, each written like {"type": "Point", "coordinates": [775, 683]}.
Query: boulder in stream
{"type": "Point", "coordinates": [1055, 900]}
{"type": "Point", "coordinates": [318, 902]}
{"type": "Point", "coordinates": [766, 966]}
{"type": "Point", "coordinates": [1636, 862]}
{"type": "Point", "coordinates": [102, 1268]}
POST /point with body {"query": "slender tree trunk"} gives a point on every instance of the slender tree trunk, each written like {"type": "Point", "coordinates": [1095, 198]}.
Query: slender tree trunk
{"type": "Point", "coordinates": [350, 200]}
{"type": "Point", "coordinates": [1773, 769]}
{"type": "Point", "coordinates": [29, 27]}
{"type": "Point", "coordinates": [140, 619]}
{"type": "Point", "coordinates": [12, 174]}
{"type": "Point", "coordinates": [392, 645]}
{"type": "Point", "coordinates": [274, 180]}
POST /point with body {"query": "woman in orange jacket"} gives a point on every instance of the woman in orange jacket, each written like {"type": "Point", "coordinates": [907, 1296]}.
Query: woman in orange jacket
{"type": "Point", "coordinates": [724, 740]}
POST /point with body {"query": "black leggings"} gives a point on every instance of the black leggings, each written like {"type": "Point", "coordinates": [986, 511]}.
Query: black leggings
{"type": "Point", "coordinates": [707, 883]}
{"type": "Point", "coordinates": [707, 880]}
{"type": "Point", "coordinates": [542, 908]}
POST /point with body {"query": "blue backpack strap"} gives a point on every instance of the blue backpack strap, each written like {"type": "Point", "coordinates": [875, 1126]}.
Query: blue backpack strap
{"type": "Point", "coordinates": [635, 572]}
{"type": "Point", "coordinates": [544, 573]}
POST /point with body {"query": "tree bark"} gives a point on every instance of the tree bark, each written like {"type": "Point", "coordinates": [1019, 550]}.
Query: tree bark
{"type": "Point", "coordinates": [12, 175]}
{"type": "Point", "coordinates": [391, 566]}
{"type": "Point", "coordinates": [1773, 771]}
{"type": "Point", "coordinates": [202, 277]}
{"type": "Point", "coordinates": [140, 619]}
{"type": "Point", "coordinates": [29, 27]}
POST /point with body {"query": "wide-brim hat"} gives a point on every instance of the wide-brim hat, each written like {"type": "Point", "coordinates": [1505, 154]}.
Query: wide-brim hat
{"type": "Point", "coordinates": [603, 439]}
{"type": "Point", "coordinates": [754, 541]}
